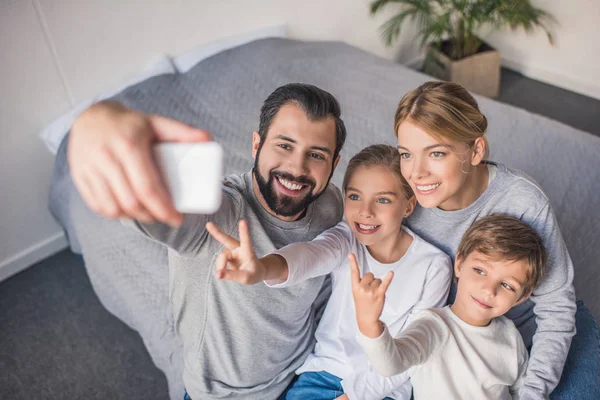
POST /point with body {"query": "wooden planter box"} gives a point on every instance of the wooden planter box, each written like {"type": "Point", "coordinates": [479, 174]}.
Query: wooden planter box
{"type": "Point", "coordinates": [479, 73]}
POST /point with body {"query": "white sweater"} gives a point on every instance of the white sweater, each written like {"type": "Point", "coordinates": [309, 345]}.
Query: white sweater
{"type": "Point", "coordinates": [447, 358]}
{"type": "Point", "coordinates": [422, 280]}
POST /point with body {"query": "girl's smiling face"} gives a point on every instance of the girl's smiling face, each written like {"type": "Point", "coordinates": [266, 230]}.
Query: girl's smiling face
{"type": "Point", "coordinates": [374, 206]}
{"type": "Point", "coordinates": [441, 173]}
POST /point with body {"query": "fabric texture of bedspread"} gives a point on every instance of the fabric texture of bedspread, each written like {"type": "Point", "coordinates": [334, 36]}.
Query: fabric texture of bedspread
{"type": "Point", "coordinates": [224, 93]}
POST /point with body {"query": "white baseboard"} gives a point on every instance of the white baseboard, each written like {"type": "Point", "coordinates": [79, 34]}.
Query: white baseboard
{"type": "Point", "coordinates": [590, 89]}
{"type": "Point", "coordinates": [32, 255]}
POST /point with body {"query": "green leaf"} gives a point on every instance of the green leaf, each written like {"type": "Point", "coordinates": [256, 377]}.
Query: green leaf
{"type": "Point", "coordinates": [460, 20]}
{"type": "Point", "coordinates": [391, 28]}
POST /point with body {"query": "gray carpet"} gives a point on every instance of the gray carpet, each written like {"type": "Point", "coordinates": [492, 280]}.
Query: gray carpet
{"type": "Point", "coordinates": [573, 109]}
{"type": "Point", "coordinates": [58, 342]}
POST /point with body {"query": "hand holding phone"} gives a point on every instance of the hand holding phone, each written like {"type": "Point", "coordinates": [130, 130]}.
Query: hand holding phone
{"type": "Point", "coordinates": [192, 173]}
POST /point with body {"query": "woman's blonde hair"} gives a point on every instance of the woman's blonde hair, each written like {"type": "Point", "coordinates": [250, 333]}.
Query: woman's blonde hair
{"type": "Point", "coordinates": [445, 110]}
{"type": "Point", "coordinates": [377, 155]}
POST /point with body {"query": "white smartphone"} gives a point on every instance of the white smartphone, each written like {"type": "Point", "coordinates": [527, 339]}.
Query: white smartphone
{"type": "Point", "coordinates": [192, 173]}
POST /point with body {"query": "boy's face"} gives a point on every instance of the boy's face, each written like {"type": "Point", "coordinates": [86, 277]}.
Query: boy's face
{"type": "Point", "coordinates": [488, 288]}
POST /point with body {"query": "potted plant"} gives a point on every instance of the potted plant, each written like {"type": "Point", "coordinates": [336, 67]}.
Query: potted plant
{"type": "Point", "coordinates": [450, 30]}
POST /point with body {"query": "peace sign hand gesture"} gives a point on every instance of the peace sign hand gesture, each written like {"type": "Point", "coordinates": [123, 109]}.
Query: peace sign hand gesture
{"type": "Point", "coordinates": [369, 298]}
{"type": "Point", "coordinates": [244, 266]}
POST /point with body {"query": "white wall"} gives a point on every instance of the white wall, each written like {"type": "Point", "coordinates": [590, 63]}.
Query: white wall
{"type": "Point", "coordinates": [573, 62]}
{"type": "Point", "coordinates": [32, 92]}
{"type": "Point", "coordinates": [58, 53]}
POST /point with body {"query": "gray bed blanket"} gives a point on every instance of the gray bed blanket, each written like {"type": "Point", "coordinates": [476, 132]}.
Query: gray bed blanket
{"type": "Point", "coordinates": [223, 94]}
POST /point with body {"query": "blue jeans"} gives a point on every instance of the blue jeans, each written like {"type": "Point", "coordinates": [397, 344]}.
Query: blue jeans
{"type": "Point", "coordinates": [315, 386]}
{"type": "Point", "coordinates": [581, 376]}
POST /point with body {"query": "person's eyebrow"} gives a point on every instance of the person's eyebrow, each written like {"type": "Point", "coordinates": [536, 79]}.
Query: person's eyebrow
{"type": "Point", "coordinates": [350, 188]}
{"type": "Point", "coordinates": [433, 146]}
{"type": "Point", "coordinates": [482, 261]}
{"type": "Point", "coordinates": [320, 148]}
{"type": "Point", "coordinates": [518, 282]}
{"type": "Point", "coordinates": [488, 265]}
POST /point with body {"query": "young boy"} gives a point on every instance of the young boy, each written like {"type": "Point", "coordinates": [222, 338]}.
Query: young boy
{"type": "Point", "coordinates": [467, 350]}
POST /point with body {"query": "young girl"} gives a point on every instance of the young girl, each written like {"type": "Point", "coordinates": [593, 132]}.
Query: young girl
{"type": "Point", "coordinates": [377, 199]}
{"type": "Point", "coordinates": [440, 132]}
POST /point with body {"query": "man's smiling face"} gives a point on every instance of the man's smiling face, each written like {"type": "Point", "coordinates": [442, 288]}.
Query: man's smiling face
{"type": "Point", "coordinates": [294, 162]}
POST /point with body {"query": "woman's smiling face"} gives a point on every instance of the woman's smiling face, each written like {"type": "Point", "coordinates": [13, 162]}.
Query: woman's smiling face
{"type": "Point", "coordinates": [437, 171]}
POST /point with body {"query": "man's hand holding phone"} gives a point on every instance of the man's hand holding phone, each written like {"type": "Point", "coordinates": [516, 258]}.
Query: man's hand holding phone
{"type": "Point", "coordinates": [112, 162]}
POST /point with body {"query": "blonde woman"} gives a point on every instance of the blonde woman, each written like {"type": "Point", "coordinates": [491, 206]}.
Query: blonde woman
{"type": "Point", "coordinates": [440, 132]}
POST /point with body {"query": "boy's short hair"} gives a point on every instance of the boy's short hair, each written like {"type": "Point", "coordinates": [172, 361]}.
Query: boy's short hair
{"type": "Point", "coordinates": [502, 237]}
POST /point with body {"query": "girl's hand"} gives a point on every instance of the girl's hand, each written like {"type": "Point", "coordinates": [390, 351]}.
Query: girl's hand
{"type": "Point", "coordinates": [343, 397]}
{"type": "Point", "coordinates": [244, 266]}
{"type": "Point", "coordinates": [369, 298]}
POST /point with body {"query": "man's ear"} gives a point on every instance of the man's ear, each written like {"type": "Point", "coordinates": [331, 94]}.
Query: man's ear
{"type": "Point", "coordinates": [255, 143]}
{"type": "Point", "coordinates": [335, 163]}
{"type": "Point", "coordinates": [478, 151]}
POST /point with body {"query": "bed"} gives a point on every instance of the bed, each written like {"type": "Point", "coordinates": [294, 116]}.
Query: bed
{"type": "Point", "coordinates": [223, 94]}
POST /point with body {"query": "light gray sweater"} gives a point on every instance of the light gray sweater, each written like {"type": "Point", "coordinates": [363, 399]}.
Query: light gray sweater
{"type": "Point", "coordinates": [553, 303]}
{"type": "Point", "coordinates": [242, 342]}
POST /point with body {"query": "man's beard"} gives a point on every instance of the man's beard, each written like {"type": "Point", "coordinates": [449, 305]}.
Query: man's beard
{"type": "Point", "coordinates": [283, 205]}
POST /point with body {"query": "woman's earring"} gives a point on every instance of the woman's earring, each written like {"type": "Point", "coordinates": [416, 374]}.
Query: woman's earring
{"type": "Point", "coordinates": [461, 167]}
